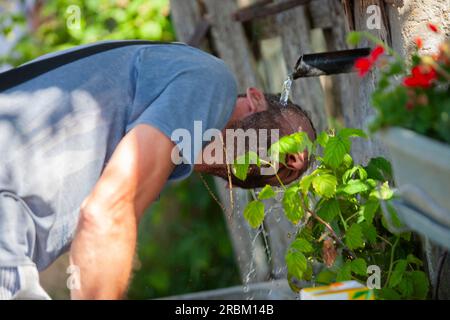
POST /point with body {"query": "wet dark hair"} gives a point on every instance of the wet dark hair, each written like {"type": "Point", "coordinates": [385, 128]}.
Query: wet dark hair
{"type": "Point", "coordinates": [275, 117]}
{"type": "Point", "coordinates": [273, 101]}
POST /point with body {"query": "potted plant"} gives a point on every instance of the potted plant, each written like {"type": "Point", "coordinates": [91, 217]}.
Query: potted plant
{"type": "Point", "coordinates": [412, 100]}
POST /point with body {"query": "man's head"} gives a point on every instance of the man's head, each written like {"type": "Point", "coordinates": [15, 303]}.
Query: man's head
{"type": "Point", "coordinates": [258, 111]}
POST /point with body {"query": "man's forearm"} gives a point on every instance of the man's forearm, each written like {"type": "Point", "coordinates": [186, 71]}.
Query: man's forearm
{"type": "Point", "coordinates": [104, 245]}
{"type": "Point", "coordinates": [103, 251]}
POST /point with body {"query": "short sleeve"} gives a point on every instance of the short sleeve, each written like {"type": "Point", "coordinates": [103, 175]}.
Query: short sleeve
{"type": "Point", "coordinates": [193, 92]}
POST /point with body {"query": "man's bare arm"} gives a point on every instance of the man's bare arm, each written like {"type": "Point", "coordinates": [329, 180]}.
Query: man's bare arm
{"type": "Point", "coordinates": [105, 241]}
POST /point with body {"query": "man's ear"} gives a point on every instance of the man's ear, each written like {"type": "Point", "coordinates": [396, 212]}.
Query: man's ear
{"type": "Point", "coordinates": [256, 99]}
{"type": "Point", "coordinates": [298, 161]}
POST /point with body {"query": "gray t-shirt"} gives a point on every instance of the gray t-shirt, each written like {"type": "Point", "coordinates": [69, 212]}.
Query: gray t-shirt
{"type": "Point", "coordinates": [58, 131]}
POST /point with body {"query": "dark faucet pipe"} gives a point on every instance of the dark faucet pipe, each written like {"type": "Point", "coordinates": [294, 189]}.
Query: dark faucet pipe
{"type": "Point", "coordinates": [326, 63]}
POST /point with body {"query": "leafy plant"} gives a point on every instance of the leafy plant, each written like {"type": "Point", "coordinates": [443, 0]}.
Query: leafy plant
{"type": "Point", "coordinates": [415, 94]}
{"type": "Point", "coordinates": [336, 209]}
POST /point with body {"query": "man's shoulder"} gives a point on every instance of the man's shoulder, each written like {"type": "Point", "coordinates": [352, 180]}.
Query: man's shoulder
{"type": "Point", "coordinates": [180, 62]}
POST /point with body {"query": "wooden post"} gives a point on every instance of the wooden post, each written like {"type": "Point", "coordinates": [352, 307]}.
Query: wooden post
{"type": "Point", "coordinates": [231, 43]}
{"type": "Point", "coordinates": [185, 16]}
{"type": "Point", "coordinates": [232, 46]}
{"type": "Point", "coordinates": [361, 110]}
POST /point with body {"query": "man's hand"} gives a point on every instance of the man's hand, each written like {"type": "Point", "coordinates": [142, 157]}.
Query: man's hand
{"type": "Point", "coordinates": [105, 241]}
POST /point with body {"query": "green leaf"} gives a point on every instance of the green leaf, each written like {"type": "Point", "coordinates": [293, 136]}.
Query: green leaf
{"type": "Point", "coordinates": [354, 237]}
{"type": "Point", "coordinates": [291, 144]}
{"type": "Point", "coordinates": [347, 161]}
{"type": "Point", "coordinates": [301, 245]}
{"type": "Point", "coordinates": [254, 213]}
{"type": "Point", "coordinates": [322, 139]}
{"type": "Point", "coordinates": [379, 168]}
{"type": "Point", "coordinates": [388, 294]}
{"type": "Point", "coordinates": [369, 232]}
{"type": "Point", "coordinates": [383, 193]}
{"type": "Point", "coordinates": [406, 286]}
{"type": "Point", "coordinates": [395, 68]}
{"type": "Point", "coordinates": [325, 276]}
{"type": "Point", "coordinates": [292, 204]}
{"type": "Point", "coordinates": [306, 233]}
{"type": "Point", "coordinates": [369, 209]}
{"type": "Point", "coordinates": [243, 162]}
{"type": "Point", "coordinates": [325, 185]}
{"type": "Point", "coordinates": [345, 273]}
{"type": "Point", "coordinates": [296, 263]}
{"type": "Point", "coordinates": [362, 174]}
{"type": "Point", "coordinates": [420, 283]}
{"type": "Point", "coordinates": [355, 186]}
{"type": "Point", "coordinates": [338, 146]}
{"type": "Point", "coordinates": [405, 235]}
{"type": "Point", "coordinates": [329, 209]}
{"type": "Point", "coordinates": [346, 133]}
{"type": "Point", "coordinates": [305, 183]}
{"type": "Point", "coordinates": [335, 151]}
{"type": "Point", "coordinates": [266, 193]}
{"type": "Point", "coordinates": [359, 267]}
{"type": "Point", "coordinates": [412, 259]}
{"type": "Point", "coordinates": [308, 274]}
{"type": "Point", "coordinates": [397, 274]}
{"type": "Point", "coordinates": [353, 38]}
{"type": "Point", "coordinates": [371, 182]}
{"type": "Point", "coordinates": [240, 171]}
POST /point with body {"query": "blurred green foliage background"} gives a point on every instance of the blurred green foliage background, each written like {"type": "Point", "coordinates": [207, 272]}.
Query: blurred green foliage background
{"type": "Point", "coordinates": [183, 242]}
{"type": "Point", "coordinates": [47, 23]}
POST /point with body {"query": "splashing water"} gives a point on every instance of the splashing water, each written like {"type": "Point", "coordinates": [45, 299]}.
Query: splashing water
{"type": "Point", "coordinates": [251, 269]}
{"type": "Point", "coordinates": [286, 90]}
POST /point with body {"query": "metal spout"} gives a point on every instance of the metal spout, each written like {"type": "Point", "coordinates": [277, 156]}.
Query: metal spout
{"type": "Point", "coordinates": [326, 63]}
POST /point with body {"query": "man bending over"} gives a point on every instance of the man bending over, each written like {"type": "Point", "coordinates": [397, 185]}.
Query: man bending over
{"type": "Point", "coordinates": [86, 147]}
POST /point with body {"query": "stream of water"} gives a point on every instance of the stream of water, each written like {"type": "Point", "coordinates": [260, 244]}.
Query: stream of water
{"type": "Point", "coordinates": [286, 90]}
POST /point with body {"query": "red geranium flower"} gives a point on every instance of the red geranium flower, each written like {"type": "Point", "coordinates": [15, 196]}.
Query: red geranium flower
{"type": "Point", "coordinates": [419, 42]}
{"type": "Point", "coordinates": [421, 77]}
{"type": "Point", "coordinates": [363, 65]}
{"type": "Point", "coordinates": [433, 27]}
{"type": "Point", "coordinates": [379, 50]}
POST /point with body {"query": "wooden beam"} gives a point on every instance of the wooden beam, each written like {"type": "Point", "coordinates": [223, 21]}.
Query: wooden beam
{"type": "Point", "coordinates": [199, 33]}
{"type": "Point", "coordinates": [260, 11]}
